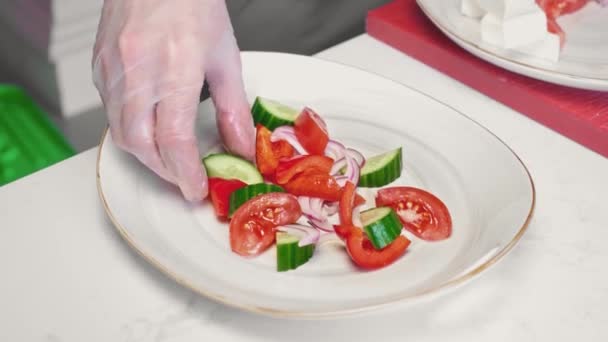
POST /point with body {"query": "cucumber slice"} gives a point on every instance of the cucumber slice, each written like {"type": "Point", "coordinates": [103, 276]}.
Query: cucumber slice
{"type": "Point", "coordinates": [381, 169]}
{"type": "Point", "coordinates": [228, 166]}
{"type": "Point", "coordinates": [273, 114]}
{"type": "Point", "coordinates": [242, 195]}
{"type": "Point", "coordinates": [289, 255]}
{"type": "Point", "coordinates": [382, 226]}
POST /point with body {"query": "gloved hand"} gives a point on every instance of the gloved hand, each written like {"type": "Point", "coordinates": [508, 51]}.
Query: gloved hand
{"type": "Point", "coordinates": [149, 63]}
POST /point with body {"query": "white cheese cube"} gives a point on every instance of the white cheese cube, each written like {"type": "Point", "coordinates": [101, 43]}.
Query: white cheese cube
{"type": "Point", "coordinates": [548, 48]}
{"type": "Point", "coordinates": [505, 9]}
{"type": "Point", "coordinates": [471, 9]}
{"type": "Point", "coordinates": [513, 32]}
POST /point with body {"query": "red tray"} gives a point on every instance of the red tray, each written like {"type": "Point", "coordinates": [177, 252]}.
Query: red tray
{"type": "Point", "coordinates": [580, 115]}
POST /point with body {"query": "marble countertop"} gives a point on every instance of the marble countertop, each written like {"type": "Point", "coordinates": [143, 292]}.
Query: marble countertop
{"type": "Point", "coordinates": [68, 276]}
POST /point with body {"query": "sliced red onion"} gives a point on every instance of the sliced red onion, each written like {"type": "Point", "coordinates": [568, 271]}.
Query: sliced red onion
{"type": "Point", "coordinates": [341, 180]}
{"type": "Point", "coordinates": [308, 235]}
{"type": "Point", "coordinates": [331, 208]}
{"type": "Point", "coordinates": [352, 174]}
{"type": "Point", "coordinates": [308, 210]}
{"type": "Point", "coordinates": [328, 238]}
{"type": "Point", "coordinates": [335, 150]}
{"type": "Point", "coordinates": [287, 133]}
{"type": "Point", "coordinates": [322, 225]}
{"type": "Point", "coordinates": [353, 171]}
{"type": "Point", "coordinates": [338, 165]}
{"type": "Point", "coordinates": [356, 155]}
{"type": "Point", "coordinates": [305, 204]}
{"type": "Point", "coordinates": [312, 208]}
{"type": "Point", "coordinates": [349, 159]}
{"type": "Point", "coordinates": [316, 204]}
{"type": "Point", "coordinates": [602, 2]}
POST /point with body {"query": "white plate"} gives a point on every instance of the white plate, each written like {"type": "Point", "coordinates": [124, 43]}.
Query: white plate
{"type": "Point", "coordinates": [484, 184]}
{"type": "Point", "coordinates": [583, 61]}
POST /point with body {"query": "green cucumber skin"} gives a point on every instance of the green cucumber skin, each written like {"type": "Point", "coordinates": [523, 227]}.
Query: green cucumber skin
{"type": "Point", "coordinates": [264, 117]}
{"type": "Point", "coordinates": [384, 175]}
{"type": "Point", "coordinates": [290, 256]}
{"type": "Point", "coordinates": [242, 195]}
{"type": "Point", "coordinates": [248, 172]}
{"type": "Point", "coordinates": [384, 231]}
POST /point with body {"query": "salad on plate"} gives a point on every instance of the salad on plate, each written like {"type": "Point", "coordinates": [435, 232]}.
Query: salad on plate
{"type": "Point", "coordinates": [304, 185]}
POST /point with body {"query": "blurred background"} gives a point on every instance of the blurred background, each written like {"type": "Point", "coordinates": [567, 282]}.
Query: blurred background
{"type": "Point", "coordinates": [49, 108]}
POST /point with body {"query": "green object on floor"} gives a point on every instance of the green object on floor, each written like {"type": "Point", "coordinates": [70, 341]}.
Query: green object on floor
{"type": "Point", "coordinates": [29, 141]}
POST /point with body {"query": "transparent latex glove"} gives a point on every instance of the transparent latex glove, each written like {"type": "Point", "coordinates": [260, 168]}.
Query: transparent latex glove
{"type": "Point", "coordinates": [150, 60]}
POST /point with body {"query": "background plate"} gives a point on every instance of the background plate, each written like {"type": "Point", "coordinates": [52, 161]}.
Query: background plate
{"type": "Point", "coordinates": [583, 61]}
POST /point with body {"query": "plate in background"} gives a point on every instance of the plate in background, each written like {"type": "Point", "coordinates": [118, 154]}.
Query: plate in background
{"type": "Point", "coordinates": [583, 61]}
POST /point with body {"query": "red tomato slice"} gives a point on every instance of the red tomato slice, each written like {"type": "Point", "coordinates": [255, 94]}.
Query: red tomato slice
{"type": "Point", "coordinates": [548, 6]}
{"type": "Point", "coordinates": [556, 8]}
{"type": "Point", "coordinates": [364, 255]}
{"type": "Point", "coordinates": [420, 211]}
{"type": "Point", "coordinates": [343, 232]}
{"type": "Point", "coordinates": [267, 153]}
{"type": "Point", "coordinates": [347, 203]}
{"type": "Point", "coordinates": [219, 192]}
{"type": "Point", "coordinates": [359, 200]}
{"type": "Point", "coordinates": [554, 27]}
{"type": "Point", "coordinates": [313, 184]}
{"type": "Point", "coordinates": [290, 168]}
{"type": "Point", "coordinates": [282, 150]}
{"type": "Point", "coordinates": [252, 228]}
{"type": "Point", "coordinates": [570, 6]}
{"type": "Point", "coordinates": [264, 155]}
{"type": "Point", "coordinates": [311, 132]}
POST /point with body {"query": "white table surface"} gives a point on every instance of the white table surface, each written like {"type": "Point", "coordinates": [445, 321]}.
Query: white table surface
{"type": "Point", "coordinates": [68, 276]}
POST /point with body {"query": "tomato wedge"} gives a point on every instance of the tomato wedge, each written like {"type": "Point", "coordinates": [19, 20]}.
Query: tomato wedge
{"type": "Point", "coordinates": [219, 191]}
{"type": "Point", "coordinates": [359, 200]}
{"type": "Point", "coordinates": [556, 8]}
{"type": "Point", "coordinates": [282, 150]}
{"type": "Point", "coordinates": [343, 231]}
{"type": "Point", "coordinates": [421, 212]}
{"type": "Point", "coordinates": [267, 153]}
{"type": "Point", "coordinates": [311, 131]}
{"type": "Point", "coordinates": [347, 203]}
{"type": "Point", "coordinates": [302, 164]}
{"type": "Point", "coordinates": [314, 184]}
{"type": "Point", "coordinates": [554, 27]}
{"type": "Point", "coordinates": [264, 155]}
{"type": "Point", "coordinates": [363, 253]}
{"type": "Point", "coordinates": [252, 228]}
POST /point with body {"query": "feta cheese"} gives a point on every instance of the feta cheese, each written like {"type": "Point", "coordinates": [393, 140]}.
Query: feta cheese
{"type": "Point", "coordinates": [505, 9]}
{"type": "Point", "coordinates": [548, 48]}
{"type": "Point", "coordinates": [471, 9]}
{"type": "Point", "coordinates": [515, 31]}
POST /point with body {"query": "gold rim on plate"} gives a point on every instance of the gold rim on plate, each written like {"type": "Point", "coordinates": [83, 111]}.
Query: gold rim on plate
{"type": "Point", "coordinates": [326, 314]}
{"type": "Point", "coordinates": [455, 37]}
